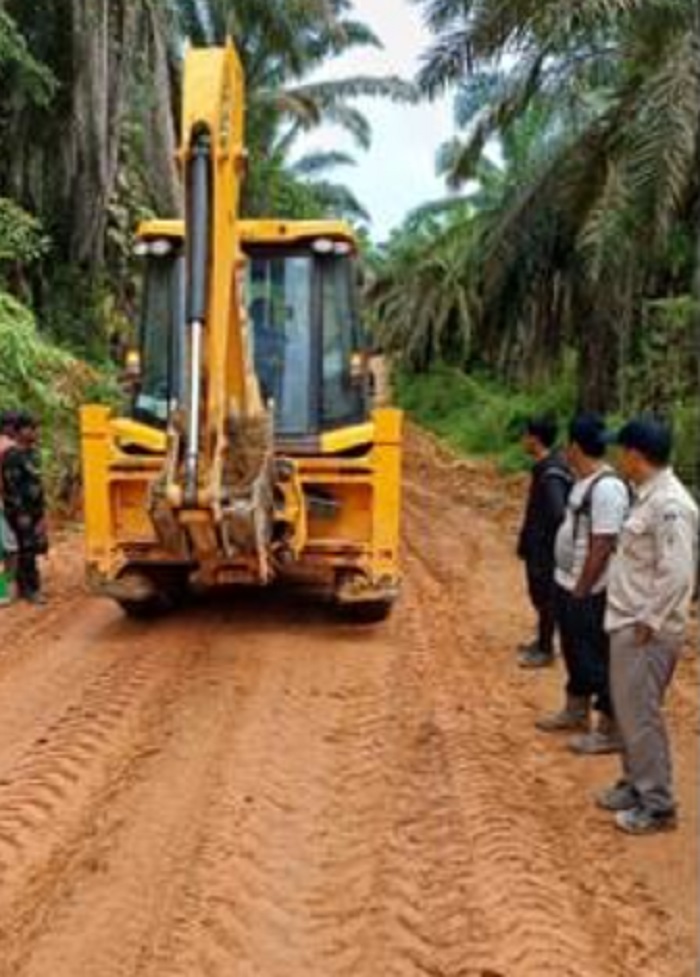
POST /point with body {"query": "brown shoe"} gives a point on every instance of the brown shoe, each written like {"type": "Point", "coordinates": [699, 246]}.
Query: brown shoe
{"type": "Point", "coordinates": [573, 718]}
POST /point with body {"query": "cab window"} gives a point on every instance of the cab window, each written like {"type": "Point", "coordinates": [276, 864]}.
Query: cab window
{"type": "Point", "coordinates": [280, 310]}
{"type": "Point", "coordinates": [343, 396]}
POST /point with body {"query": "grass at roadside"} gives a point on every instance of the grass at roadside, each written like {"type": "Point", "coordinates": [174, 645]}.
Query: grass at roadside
{"type": "Point", "coordinates": [475, 415]}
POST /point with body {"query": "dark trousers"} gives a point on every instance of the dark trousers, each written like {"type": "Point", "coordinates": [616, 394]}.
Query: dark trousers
{"type": "Point", "coordinates": [27, 575]}
{"type": "Point", "coordinates": [28, 580]}
{"type": "Point", "coordinates": [585, 647]}
{"type": "Point", "coordinates": [542, 589]}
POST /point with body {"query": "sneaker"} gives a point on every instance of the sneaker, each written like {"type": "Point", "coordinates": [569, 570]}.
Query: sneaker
{"type": "Point", "coordinates": [535, 658]}
{"type": "Point", "coordinates": [621, 797]}
{"type": "Point", "coordinates": [573, 718]}
{"type": "Point", "coordinates": [596, 743]}
{"type": "Point", "coordinates": [640, 820]}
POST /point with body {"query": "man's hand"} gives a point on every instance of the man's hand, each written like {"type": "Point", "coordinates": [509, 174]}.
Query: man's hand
{"type": "Point", "coordinates": [600, 550]}
{"type": "Point", "coordinates": [643, 635]}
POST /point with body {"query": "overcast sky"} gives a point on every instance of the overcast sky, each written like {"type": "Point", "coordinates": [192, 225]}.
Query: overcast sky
{"type": "Point", "coordinates": [398, 173]}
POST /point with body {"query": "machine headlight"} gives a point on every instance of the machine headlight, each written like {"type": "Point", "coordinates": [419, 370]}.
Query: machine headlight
{"type": "Point", "coordinates": [161, 247]}
{"type": "Point", "coordinates": [323, 245]}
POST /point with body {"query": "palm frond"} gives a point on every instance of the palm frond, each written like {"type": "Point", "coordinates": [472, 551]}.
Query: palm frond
{"type": "Point", "coordinates": [389, 87]}
{"type": "Point", "coordinates": [603, 238]}
{"type": "Point", "coordinates": [337, 200]}
{"type": "Point", "coordinates": [663, 145]}
{"type": "Point", "coordinates": [513, 101]}
{"type": "Point", "coordinates": [354, 122]}
{"type": "Point", "coordinates": [313, 164]}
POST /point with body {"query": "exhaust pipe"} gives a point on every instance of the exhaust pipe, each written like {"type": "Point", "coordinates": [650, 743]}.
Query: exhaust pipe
{"type": "Point", "coordinates": [198, 242]}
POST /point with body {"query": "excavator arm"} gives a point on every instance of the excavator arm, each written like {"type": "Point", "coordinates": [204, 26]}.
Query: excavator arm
{"type": "Point", "coordinates": [218, 475]}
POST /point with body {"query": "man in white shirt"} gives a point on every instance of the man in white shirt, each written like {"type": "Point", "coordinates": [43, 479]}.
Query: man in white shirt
{"type": "Point", "coordinates": [596, 511]}
{"type": "Point", "coordinates": [650, 591]}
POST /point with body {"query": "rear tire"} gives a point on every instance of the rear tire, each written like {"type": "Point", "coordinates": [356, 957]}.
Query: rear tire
{"type": "Point", "coordinates": [167, 598]}
{"type": "Point", "coordinates": [367, 611]}
{"type": "Point", "coordinates": [141, 610]}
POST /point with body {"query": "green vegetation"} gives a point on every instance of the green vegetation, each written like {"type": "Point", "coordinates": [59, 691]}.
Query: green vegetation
{"type": "Point", "coordinates": [572, 226]}
{"type": "Point", "coordinates": [90, 98]}
{"type": "Point", "coordinates": [476, 415]}
{"type": "Point", "coordinates": [52, 384]}
{"type": "Point", "coordinates": [567, 244]}
{"type": "Point", "coordinates": [479, 416]}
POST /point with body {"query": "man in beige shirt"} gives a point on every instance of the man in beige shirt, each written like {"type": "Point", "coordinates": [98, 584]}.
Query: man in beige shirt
{"type": "Point", "coordinates": [649, 595]}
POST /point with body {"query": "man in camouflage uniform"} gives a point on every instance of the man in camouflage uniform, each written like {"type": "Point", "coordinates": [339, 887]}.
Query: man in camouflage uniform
{"type": "Point", "coordinates": [8, 543]}
{"type": "Point", "coordinates": [24, 505]}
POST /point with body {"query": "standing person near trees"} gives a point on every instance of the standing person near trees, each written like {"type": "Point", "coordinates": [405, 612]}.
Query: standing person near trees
{"type": "Point", "coordinates": [596, 511]}
{"type": "Point", "coordinates": [651, 585]}
{"type": "Point", "coordinates": [8, 541]}
{"type": "Point", "coordinates": [24, 505]}
{"type": "Point", "coordinates": [546, 507]}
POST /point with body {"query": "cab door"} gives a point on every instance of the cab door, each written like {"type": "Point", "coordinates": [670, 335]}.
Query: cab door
{"type": "Point", "coordinates": [307, 340]}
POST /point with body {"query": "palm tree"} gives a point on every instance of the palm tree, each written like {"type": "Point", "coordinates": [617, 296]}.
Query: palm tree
{"type": "Point", "coordinates": [283, 45]}
{"type": "Point", "coordinates": [421, 295]}
{"type": "Point", "coordinates": [105, 74]}
{"type": "Point", "coordinates": [617, 86]}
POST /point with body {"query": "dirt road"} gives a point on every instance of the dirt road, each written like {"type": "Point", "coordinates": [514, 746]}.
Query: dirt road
{"type": "Point", "coordinates": [252, 790]}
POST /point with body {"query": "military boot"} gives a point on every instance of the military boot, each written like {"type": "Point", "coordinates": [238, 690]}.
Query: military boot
{"type": "Point", "coordinates": [573, 718]}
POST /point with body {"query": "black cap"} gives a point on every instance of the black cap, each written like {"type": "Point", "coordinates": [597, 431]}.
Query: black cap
{"type": "Point", "coordinates": [588, 431]}
{"type": "Point", "coordinates": [650, 436]}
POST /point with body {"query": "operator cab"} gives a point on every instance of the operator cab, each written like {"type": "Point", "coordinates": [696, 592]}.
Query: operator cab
{"type": "Point", "coordinates": [300, 292]}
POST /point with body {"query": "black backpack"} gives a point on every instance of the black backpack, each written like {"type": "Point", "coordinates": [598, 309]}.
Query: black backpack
{"type": "Point", "coordinates": [562, 474]}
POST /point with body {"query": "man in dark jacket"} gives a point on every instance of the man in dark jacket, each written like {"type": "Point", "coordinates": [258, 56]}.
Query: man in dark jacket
{"type": "Point", "coordinates": [23, 500]}
{"type": "Point", "coordinates": [546, 507]}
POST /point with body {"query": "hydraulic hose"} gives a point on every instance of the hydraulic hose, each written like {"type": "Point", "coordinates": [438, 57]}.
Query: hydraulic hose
{"type": "Point", "coordinates": [198, 232]}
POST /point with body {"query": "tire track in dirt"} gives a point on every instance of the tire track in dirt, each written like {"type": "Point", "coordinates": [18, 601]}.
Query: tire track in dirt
{"type": "Point", "coordinates": [556, 903]}
{"type": "Point", "coordinates": [40, 687]}
{"type": "Point", "coordinates": [290, 851]}
{"type": "Point", "coordinates": [123, 897]}
{"type": "Point", "coordinates": [50, 801]}
{"type": "Point", "coordinates": [253, 790]}
{"type": "Point", "coordinates": [526, 921]}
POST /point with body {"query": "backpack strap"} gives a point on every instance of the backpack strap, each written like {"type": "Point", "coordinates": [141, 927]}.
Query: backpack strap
{"type": "Point", "coordinates": [585, 506]}
{"type": "Point", "coordinates": [561, 474]}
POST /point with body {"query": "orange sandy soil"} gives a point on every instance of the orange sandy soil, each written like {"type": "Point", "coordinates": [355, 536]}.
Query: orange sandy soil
{"type": "Point", "coordinates": [250, 789]}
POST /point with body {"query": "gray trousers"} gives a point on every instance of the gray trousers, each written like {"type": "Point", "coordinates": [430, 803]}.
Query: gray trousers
{"type": "Point", "coordinates": [639, 677]}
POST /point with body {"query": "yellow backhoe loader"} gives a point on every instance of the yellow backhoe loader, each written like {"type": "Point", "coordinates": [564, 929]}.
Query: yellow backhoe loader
{"type": "Point", "coordinates": [249, 453]}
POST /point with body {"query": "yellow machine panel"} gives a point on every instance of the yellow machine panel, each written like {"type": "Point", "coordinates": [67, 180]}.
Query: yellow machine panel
{"type": "Point", "coordinates": [248, 451]}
